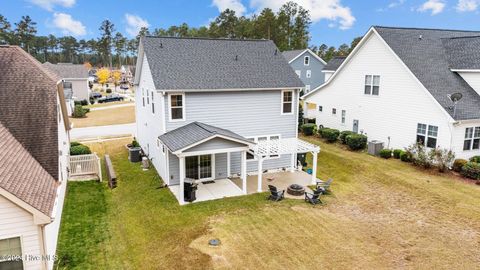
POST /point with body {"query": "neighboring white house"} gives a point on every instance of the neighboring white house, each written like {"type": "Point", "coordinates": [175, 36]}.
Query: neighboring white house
{"type": "Point", "coordinates": [210, 109]}
{"type": "Point", "coordinates": [34, 145]}
{"type": "Point", "coordinates": [396, 87]}
{"type": "Point", "coordinates": [75, 79]}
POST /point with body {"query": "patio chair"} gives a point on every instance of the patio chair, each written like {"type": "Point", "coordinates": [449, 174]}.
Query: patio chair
{"type": "Point", "coordinates": [314, 198]}
{"type": "Point", "coordinates": [324, 185]}
{"type": "Point", "coordinates": [275, 195]}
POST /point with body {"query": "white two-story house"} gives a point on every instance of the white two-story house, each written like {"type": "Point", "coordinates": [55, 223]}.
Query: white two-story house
{"type": "Point", "coordinates": [210, 109]}
{"type": "Point", "coordinates": [33, 161]}
{"type": "Point", "coordinates": [407, 85]}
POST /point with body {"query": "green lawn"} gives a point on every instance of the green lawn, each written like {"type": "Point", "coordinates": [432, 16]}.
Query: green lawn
{"type": "Point", "coordinates": [382, 214]}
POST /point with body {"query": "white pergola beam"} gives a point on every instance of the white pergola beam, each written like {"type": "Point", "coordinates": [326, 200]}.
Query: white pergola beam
{"type": "Point", "coordinates": [244, 171]}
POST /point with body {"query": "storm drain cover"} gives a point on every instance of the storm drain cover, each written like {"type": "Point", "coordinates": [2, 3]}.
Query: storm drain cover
{"type": "Point", "coordinates": [214, 242]}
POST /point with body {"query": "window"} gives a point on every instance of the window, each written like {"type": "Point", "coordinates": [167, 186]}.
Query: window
{"type": "Point", "coordinates": [334, 111]}
{"type": "Point", "coordinates": [67, 85]}
{"type": "Point", "coordinates": [11, 253]}
{"type": "Point", "coordinates": [177, 108]}
{"type": "Point", "coordinates": [306, 60]}
{"type": "Point", "coordinates": [344, 113]}
{"type": "Point", "coordinates": [299, 73]}
{"type": "Point", "coordinates": [153, 104]}
{"type": "Point", "coordinates": [143, 97]}
{"type": "Point", "coordinates": [472, 138]}
{"type": "Point", "coordinates": [307, 88]}
{"type": "Point", "coordinates": [372, 85]}
{"type": "Point", "coordinates": [427, 135]}
{"type": "Point", "coordinates": [287, 102]}
{"type": "Point", "coordinates": [308, 74]}
{"type": "Point", "coordinates": [148, 98]}
{"type": "Point", "coordinates": [320, 108]}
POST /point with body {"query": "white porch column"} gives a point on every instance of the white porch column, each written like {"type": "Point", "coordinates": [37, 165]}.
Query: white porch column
{"type": "Point", "coordinates": [182, 180]}
{"type": "Point", "coordinates": [292, 163]}
{"type": "Point", "coordinates": [229, 165]}
{"type": "Point", "coordinates": [314, 168]}
{"type": "Point", "coordinates": [243, 171]}
{"type": "Point", "coordinates": [260, 172]}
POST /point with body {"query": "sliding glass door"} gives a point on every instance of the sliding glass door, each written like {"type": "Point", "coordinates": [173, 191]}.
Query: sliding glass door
{"type": "Point", "coordinates": [199, 167]}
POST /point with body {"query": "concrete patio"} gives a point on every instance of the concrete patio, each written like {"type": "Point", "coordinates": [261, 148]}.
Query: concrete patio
{"type": "Point", "coordinates": [219, 189]}
{"type": "Point", "coordinates": [279, 179]}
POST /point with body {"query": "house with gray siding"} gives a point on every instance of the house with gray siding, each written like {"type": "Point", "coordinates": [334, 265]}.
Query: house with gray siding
{"type": "Point", "coordinates": [213, 109]}
{"type": "Point", "coordinates": [308, 67]}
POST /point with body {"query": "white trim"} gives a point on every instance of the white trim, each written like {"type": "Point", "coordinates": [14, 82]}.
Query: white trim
{"type": "Point", "coordinates": [293, 102]}
{"type": "Point", "coordinates": [255, 139]}
{"type": "Point", "coordinates": [312, 53]}
{"type": "Point", "coordinates": [226, 89]}
{"type": "Point", "coordinates": [210, 138]}
{"type": "Point", "coordinates": [308, 73]}
{"type": "Point", "coordinates": [215, 151]}
{"type": "Point", "coordinates": [22, 250]}
{"type": "Point", "coordinates": [38, 217]}
{"type": "Point", "coordinates": [357, 48]}
{"type": "Point", "coordinates": [465, 70]}
{"type": "Point", "coordinates": [327, 71]}
{"type": "Point", "coordinates": [212, 167]}
{"type": "Point", "coordinates": [170, 107]}
{"type": "Point", "coordinates": [229, 165]}
{"type": "Point", "coordinates": [167, 165]}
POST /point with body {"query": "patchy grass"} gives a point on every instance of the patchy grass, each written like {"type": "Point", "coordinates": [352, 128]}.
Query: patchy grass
{"type": "Point", "coordinates": [115, 116]}
{"type": "Point", "coordinates": [382, 214]}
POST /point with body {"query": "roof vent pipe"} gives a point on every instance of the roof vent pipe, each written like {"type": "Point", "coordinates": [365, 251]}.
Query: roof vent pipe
{"type": "Point", "coordinates": [276, 51]}
{"type": "Point", "coordinates": [236, 57]}
{"type": "Point", "coordinates": [161, 45]}
{"type": "Point", "coordinates": [420, 37]}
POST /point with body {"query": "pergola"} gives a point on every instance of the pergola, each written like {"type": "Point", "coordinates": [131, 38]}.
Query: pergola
{"type": "Point", "coordinates": [291, 146]}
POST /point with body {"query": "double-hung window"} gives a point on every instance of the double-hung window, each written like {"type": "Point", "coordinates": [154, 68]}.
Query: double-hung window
{"type": "Point", "coordinates": [306, 60]}
{"type": "Point", "coordinates": [11, 253]}
{"type": "Point", "coordinates": [472, 138]}
{"type": "Point", "coordinates": [177, 107]}
{"type": "Point", "coordinates": [148, 98]}
{"type": "Point", "coordinates": [320, 108]}
{"type": "Point", "coordinates": [308, 74]}
{"type": "Point", "coordinates": [143, 97]}
{"type": "Point", "coordinates": [153, 103]}
{"type": "Point", "coordinates": [287, 102]}
{"type": "Point", "coordinates": [334, 111]}
{"type": "Point", "coordinates": [372, 85]}
{"type": "Point", "coordinates": [307, 88]}
{"type": "Point", "coordinates": [344, 113]}
{"type": "Point", "coordinates": [427, 135]}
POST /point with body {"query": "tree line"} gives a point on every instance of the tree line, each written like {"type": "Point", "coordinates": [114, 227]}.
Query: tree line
{"type": "Point", "coordinates": [288, 28]}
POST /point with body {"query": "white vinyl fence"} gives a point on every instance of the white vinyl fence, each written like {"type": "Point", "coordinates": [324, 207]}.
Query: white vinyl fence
{"type": "Point", "coordinates": [85, 165]}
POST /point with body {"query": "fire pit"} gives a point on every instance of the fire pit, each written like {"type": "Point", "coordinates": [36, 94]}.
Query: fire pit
{"type": "Point", "coordinates": [295, 190]}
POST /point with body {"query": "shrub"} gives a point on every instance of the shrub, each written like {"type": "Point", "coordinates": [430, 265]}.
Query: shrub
{"type": "Point", "coordinates": [109, 91]}
{"type": "Point", "coordinates": [471, 170]}
{"type": "Point", "coordinates": [385, 153]}
{"type": "Point", "coordinates": [396, 153]}
{"type": "Point", "coordinates": [79, 150]}
{"type": "Point", "coordinates": [442, 158]}
{"type": "Point", "coordinates": [419, 155]}
{"type": "Point", "coordinates": [78, 111]}
{"type": "Point", "coordinates": [343, 136]}
{"type": "Point", "coordinates": [458, 164]}
{"type": "Point", "coordinates": [86, 110]}
{"type": "Point", "coordinates": [81, 102]}
{"type": "Point", "coordinates": [74, 144]}
{"type": "Point", "coordinates": [406, 156]}
{"type": "Point", "coordinates": [309, 129]}
{"type": "Point", "coordinates": [356, 142]}
{"type": "Point", "coordinates": [135, 143]}
{"type": "Point", "coordinates": [475, 159]}
{"type": "Point", "coordinates": [92, 100]}
{"type": "Point", "coordinates": [330, 134]}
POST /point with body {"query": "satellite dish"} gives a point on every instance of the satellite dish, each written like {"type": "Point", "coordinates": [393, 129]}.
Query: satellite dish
{"type": "Point", "coordinates": [455, 97]}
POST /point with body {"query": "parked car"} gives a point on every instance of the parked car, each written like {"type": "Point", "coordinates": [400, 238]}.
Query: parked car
{"type": "Point", "coordinates": [95, 95]}
{"type": "Point", "coordinates": [110, 98]}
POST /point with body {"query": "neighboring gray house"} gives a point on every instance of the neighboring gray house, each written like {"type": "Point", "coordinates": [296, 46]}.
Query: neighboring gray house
{"type": "Point", "coordinates": [75, 78]}
{"type": "Point", "coordinates": [212, 109]}
{"type": "Point", "coordinates": [308, 66]}
{"type": "Point", "coordinates": [332, 66]}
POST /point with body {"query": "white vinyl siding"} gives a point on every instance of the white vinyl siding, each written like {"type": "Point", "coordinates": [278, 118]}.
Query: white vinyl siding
{"type": "Point", "coordinates": [16, 222]}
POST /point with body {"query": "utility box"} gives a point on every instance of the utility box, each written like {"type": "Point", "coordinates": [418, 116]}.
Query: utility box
{"type": "Point", "coordinates": [134, 154]}
{"type": "Point", "coordinates": [374, 147]}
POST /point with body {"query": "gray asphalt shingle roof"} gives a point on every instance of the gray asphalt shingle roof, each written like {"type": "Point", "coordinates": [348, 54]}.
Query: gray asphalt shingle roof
{"type": "Point", "coordinates": [201, 63]}
{"type": "Point", "coordinates": [194, 132]}
{"type": "Point", "coordinates": [67, 70]}
{"type": "Point", "coordinates": [334, 63]}
{"type": "Point", "coordinates": [463, 53]}
{"type": "Point", "coordinates": [424, 53]}
{"type": "Point", "coordinates": [289, 55]}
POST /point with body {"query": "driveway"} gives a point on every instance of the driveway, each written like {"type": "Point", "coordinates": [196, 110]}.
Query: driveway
{"type": "Point", "coordinates": [103, 131]}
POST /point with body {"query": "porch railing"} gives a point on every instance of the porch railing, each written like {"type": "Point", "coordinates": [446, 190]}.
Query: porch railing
{"type": "Point", "coordinates": [85, 165]}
